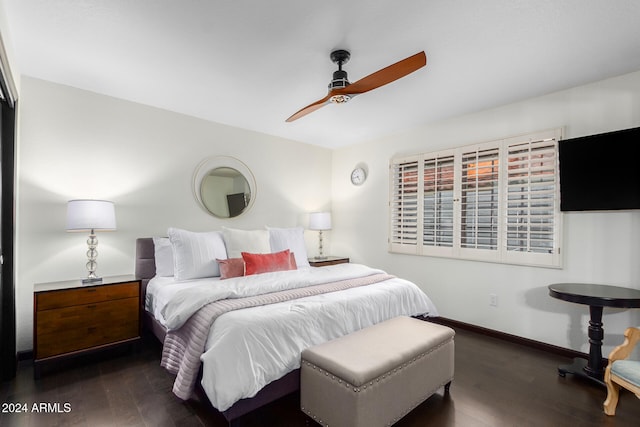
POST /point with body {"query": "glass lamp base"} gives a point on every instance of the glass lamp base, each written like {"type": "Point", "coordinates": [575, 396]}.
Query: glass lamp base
{"type": "Point", "coordinates": [92, 254]}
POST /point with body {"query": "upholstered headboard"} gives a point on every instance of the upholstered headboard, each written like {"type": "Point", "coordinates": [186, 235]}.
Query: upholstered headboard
{"type": "Point", "coordinates": [145, 260]}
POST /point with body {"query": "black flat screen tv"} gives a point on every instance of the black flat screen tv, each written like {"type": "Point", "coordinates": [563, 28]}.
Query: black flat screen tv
{"type": "Point", "coordinates": [600, 172]}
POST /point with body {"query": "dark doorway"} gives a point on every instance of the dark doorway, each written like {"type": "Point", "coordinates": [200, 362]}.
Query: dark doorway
{"type": "Point", "coordinates": [8, 361]}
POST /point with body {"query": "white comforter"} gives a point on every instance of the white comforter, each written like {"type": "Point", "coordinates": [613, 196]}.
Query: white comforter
{"type": "Point", "coordinates": [249, 348]}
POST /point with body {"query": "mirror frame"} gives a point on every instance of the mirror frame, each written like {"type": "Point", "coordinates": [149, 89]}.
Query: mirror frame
{"type": "Point", "coordinates": [209, 164]}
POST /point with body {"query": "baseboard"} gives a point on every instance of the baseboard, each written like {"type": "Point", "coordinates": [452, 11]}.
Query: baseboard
{"type": "Point", "coordinates": [539, 345]}
{"type": "Point", "coordinates": [25, 355]}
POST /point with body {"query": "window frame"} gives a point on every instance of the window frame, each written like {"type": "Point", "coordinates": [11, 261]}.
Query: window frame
{"type": "Point", "coordinates": [539, 231]}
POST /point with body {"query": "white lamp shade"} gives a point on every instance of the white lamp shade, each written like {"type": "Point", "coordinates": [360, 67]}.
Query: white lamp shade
{"type": "Point", "coordinates": [320, 221]}
{"type": "Point", "coordinates": [85, 215]}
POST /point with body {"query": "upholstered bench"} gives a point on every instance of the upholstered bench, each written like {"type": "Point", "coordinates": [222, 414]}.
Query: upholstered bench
{"type": "Point", "coordinates": [375, 376]}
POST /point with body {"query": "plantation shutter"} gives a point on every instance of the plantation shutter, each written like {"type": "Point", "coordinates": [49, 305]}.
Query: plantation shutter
{"type": "Point", "coordinates": [479, 202]}
{"type": "Point", "coordinates": [532, 211]}
{"type": "Point", "coordinates": [404, 208]}
{"type": "Point", "coordinates": [438, 202]}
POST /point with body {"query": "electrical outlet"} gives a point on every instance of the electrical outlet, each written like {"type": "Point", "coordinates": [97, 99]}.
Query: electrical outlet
{"type": "Point", "coordinates": [493, 300]}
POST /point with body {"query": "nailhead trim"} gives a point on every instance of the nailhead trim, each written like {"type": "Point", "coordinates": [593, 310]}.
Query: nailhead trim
{"type": "Point", "coordinates": [397, 418]}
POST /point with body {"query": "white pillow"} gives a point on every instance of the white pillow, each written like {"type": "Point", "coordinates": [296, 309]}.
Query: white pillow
{"type": "Point", "coordinates": [194, 254]}
{"type": "Point", "coordinates": [164, 256]}
{"type": "Point", "coordinates": [292, 239]}
{"type": "Point", "coordinates": [253, 241]}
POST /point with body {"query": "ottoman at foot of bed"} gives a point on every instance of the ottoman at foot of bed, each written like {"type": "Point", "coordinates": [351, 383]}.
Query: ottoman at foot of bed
{"type": "Point", "coordinates": [375, 376]}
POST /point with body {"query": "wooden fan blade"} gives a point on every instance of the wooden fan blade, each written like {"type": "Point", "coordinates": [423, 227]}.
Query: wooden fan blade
{"type": "Point", "coordinates": [387, 75]}
{"type": "Point", "coordinates": [309, 108]}
{"type": "Point", "coordinates": [380, 78]}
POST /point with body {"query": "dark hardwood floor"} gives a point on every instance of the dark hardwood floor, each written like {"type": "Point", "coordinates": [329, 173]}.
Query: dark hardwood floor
{"type": "Point", "coordinates": [497, 383]}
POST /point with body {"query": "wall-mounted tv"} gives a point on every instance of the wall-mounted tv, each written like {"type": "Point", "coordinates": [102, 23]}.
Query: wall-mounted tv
{"type": "Point", "coordinates": [600, 172]}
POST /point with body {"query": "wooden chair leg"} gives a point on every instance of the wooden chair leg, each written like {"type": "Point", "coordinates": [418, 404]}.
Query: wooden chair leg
{"type": "Point", "coordinates": [613, 391]}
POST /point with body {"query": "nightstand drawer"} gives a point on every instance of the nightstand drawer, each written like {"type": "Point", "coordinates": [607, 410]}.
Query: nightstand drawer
{"type": "Point", "coordinates": [74, 328]}
{"type": "Point", "coordinates": [84, 337]}
{"type": "Point", "coordinates": [102, 315]}
{"type": "Point", "coordinates": [80, 296]}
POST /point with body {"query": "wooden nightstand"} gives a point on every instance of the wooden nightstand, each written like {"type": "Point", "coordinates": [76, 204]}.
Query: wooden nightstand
{"type": "Point", "coordinates": [330, 260]}
{"type": "Point", "coordinates": [71, 318]}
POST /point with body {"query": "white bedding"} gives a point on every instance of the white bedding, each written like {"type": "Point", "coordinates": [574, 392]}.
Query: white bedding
{"type": "Point", "coordinates": [249, 348]}
{"type": "Point", "coordinates": [160, 290]}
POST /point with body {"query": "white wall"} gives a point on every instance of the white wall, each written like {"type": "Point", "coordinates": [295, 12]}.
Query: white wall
{"type": "Point", "coordinates": [78, 144]}
{"type": "Point", "coordinates": [598, 247]}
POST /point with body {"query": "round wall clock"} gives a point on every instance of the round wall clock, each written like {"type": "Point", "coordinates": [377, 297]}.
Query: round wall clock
{"type": "Point", "coordinates": [358, 176]}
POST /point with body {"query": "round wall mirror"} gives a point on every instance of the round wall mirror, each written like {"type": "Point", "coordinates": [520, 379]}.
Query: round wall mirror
{"type": "Point", "coordinates": [224, 186]}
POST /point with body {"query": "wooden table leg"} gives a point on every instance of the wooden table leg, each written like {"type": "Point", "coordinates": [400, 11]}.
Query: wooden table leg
{"type": "Point", "coordinates": [592, 368]}
{"type": "Point", "coordinates": [595, 366]}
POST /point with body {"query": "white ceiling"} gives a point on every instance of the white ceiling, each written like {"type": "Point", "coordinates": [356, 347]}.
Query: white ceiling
{"type": "Point", "coordinates": [253, 63]}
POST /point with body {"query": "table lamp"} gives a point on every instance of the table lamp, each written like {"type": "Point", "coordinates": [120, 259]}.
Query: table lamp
{"type": "Point", "coordinates": [320, 221]}
{"type": "Point", "coordinates": [91, 216]}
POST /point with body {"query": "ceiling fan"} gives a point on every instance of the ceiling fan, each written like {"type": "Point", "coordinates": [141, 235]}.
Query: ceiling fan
{"type": "Point", "coordinates": [341, 91]}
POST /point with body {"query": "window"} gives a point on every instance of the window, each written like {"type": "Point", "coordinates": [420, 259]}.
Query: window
{"type": "Point", "coordinates": [496, 201]}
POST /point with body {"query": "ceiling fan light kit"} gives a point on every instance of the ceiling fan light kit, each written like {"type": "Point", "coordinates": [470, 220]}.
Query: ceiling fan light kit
{"type": "Point", "coordinates": [339, 99]}
{"type": "Point", "coordinates": [341, 91]}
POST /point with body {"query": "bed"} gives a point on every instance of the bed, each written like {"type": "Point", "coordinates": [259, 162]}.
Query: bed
{"type": "Point", "coordinates": [251, 351]}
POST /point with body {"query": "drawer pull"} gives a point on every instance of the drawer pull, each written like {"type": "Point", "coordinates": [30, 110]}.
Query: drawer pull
{"type": "Point", "coordinates": [91, 307]}
{"type": "Point", "coordinates": [91, 329]}
{"type": "Point", "coordinates": [92, 290]}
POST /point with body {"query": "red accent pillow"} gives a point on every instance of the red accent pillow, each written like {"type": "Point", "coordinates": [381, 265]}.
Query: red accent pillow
{"type": "Point", "coordinates": [231, 267]}
{"type": "Point", "coordinates": [265, 263]}
{"type": "Point", "coordinates": [292, 262]}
